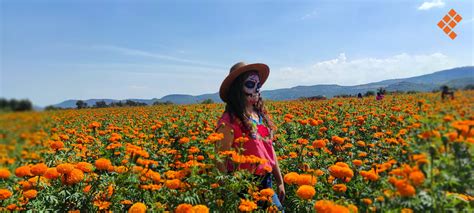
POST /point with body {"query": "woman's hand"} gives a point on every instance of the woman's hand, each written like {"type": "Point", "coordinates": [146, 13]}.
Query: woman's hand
{"type": "Point", "coordinates": [281, 192]}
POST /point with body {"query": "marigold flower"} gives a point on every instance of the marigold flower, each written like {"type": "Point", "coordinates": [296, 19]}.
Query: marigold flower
{"type": "Point", "coordinates": [200, 209]}
{"type": "Point", "coordinates": [12, 207]}
{"type": "Point", "coordinates": [75, 176]}
{"type": "Point", "coordinates": [137, 208]}
{"type": "Point", "coordinates": [339, 188]}
{"type": "Point", "coordinates": [85, 167]}
{"type": "Point", "coordinates": [352, 208]}
{"type": "Point", "coordinates": [23, 171]}
{"type": "Point", "coordinates": [417, 178]}
{"type": "Point", "coordinates": [184, 208]}
{"type": "Point", "coordinates": [5, 194]}
{"type": "Point", "coordinates": [241, 140]}
{"type": "Point", "coordinates": [121, 169]}
{"type": "Point", "coordinates": [4, 174]}
{"type": "Point", "coordinates": [337, 140]}
{"type": "Point", "coordinates": [87, 189]}
{"type": "Point", "coordinates": [51, 173]}
{"type": "Point", "coordinates": [30, 194]}
{"type": "Point", "coordinates": [57, 145]}
{"type": "Point", "coordinates": [291, 178]}
{"type": "Point", "coordinates": [184, 140]}
{"type": "Point", "coordinates": [306, 179]}
{"type": "Point", "coordinates": [357, 162]}
{"type": "Point", "coordinates": [370, 175]}
{"type": "Point", "coordinates": [215, 137]}
{"type": "Point", "coordinates": [247, 205]}
{"type": "Point", "coordinates": [323, 206]}
{"type": "Point", "coordinates": [65, 168]}
{"type": "Point", "coordinates": [268, 192]}
{"type": "Point", "coordinates": [367, 201]}
{"type": "Point", "coordinates": [319, 143]}
{"type": "Point", "coordinates": [305, 192]}
{"type": "Point", "coordinates": [173, 184]}
{"type": "Point", "coordinates": [102, 205]}
{"type": "Point", "coordinates": [25, 185]}
{"type": "Point", "coordinates": [103, 164]}
{"type": "Point", "coordinates": [39, 169]}
{"type": "Point", "coordinates": [341, 170]}
{"type": "Point", "coordinates": [94, 125]}
{"type": "Point", "coordinates": [404, 188]}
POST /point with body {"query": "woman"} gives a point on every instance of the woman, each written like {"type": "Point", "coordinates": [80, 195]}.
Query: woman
{"type": "Point", "coordinates": [245, 115]}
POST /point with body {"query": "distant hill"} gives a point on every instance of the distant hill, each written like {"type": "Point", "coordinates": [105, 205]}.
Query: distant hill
{"type": "Point", "coordinates": [456, 78]}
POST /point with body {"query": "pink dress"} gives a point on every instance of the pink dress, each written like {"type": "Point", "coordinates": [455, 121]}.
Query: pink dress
{"type": "Point", "coordinates": [262, 148]}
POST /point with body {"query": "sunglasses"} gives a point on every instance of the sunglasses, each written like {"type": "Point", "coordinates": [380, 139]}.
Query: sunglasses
{"type": "Point", "coordinates": [251, 84]}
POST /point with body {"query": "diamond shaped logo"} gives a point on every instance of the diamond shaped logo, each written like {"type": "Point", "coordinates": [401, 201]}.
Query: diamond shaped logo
{"type": "Point", "coordinates": [448, 22]}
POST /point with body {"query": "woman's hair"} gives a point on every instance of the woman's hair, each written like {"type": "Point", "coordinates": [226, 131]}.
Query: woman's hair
{"type": "Point", "coordinates": [236, 104]}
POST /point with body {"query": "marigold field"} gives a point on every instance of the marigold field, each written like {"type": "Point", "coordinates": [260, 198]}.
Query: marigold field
{"type": "Point", "coordinates": [408, 152]}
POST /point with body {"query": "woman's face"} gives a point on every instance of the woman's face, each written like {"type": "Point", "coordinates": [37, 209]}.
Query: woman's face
{"type": "Point", "coordinates": [252, 88]}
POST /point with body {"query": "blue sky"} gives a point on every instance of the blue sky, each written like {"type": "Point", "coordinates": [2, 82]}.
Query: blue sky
{"type": "Point", "coordinates": [57, 50]}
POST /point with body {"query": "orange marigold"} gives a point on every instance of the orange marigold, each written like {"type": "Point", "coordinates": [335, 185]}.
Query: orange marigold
{"type": "Point", "coordinates": [5, 194]}
{"type": "Point", "coordinates": [51, 173]}
{"type": "Point", "coordinates": [341, 170]}
{"type": "Point", "coordinates": [137, 208]}
{"type": "Point", "coordinates": [306, 179]}
{"type": "Point", "coordinates": [370, 175]}
{"type": "Point", "coordinates": [200, 209]}
{"type": "Point", "coordinates": [357, 162]}
{"type": "Point", "coordinates": [417, 177]}
{"type": "Point", "coordinates": [65, 168]}
{"type": "Point", "coordinates": [173, 184]}
{"type": "Point", "coordinates": [23, 171]}
{"type": "Point", "coordinates": [4, 174]}
{"type": "Point", "coordinates": [291, 178]}
{"type": "Point", "coordinates": [323, 206]}
{"type": "Point", "coordinates": [319, 143]}
{"type": "Point", "coordinates": [339, 188]}
{"type": "Point", "coordinates": [247, 205]}
{"type": "Point", "coordinates": [367, 201]}
{"type": "Point", "coordinates": [404, 188]}
{"type": "Point", "coordinates": [30, 194]}
{"type": "Point", "coordinates": [337, 139]}
{"type": "Point", "coordinates": [268, 192]}
{"type": "Point", "coordinates": [75, 176]}
{"type": "Point", "coordinates": [57, 145]}
{"type": "Point", "coordinates": [103, 164]}
{"type": "Point", "coordinates": [306, 192]}
{"type": "Point", "coordinates": [85, 167]}
{"type": "Point", "coordinates": [184, 208]}
{"type": "Point", "coordinates": [39, 169]}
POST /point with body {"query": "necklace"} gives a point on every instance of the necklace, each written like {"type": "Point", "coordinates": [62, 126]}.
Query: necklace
{"type": "Point", "coordinates": [253, 132]}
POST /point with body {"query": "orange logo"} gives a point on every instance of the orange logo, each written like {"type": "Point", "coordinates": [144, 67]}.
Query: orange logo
{"type": "Point", "coordinates": [448, 22]}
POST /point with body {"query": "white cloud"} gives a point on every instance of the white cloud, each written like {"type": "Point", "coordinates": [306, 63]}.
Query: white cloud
{"type": "Point", "coordinates": [344, 71]}
{"type": "Point", "coordinates": [467, 21]}
{"type": "Point", "coordinates": [309, 15]}
{"type": "Point", "coordinates": [143, 53]}
{"type": "Point", "coordinates": [432, 4]}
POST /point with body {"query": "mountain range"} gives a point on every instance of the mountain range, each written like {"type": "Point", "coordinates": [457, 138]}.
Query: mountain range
{"type": "Point", "coordinates": [454, 78]}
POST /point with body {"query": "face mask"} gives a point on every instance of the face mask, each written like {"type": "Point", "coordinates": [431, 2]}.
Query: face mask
{"type": "Point", "coordinates": [252, 88]}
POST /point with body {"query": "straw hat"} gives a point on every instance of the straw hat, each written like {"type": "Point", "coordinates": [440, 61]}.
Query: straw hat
{"type": "Point", "coordinates": [239, 68]}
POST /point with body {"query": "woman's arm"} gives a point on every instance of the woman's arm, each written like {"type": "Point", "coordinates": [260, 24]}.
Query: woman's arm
{"type": "Point", "coordinates": [279, 179]}
{"type": "Point", "coordinates": [224, 144]}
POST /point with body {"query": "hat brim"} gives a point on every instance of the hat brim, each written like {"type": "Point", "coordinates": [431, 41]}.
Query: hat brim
{"type": "Point", "coordinates": [262, 69]}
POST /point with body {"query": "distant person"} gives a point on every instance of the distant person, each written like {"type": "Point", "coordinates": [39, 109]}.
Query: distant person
{"type": "Point", "coordinates": [245, 114]}
{"type": "Point", "coordinates": [359, 95]}
{"type": "Point", "coordinates": [379, 96]}
{"type": "Point", "coordinates": [446, 92]}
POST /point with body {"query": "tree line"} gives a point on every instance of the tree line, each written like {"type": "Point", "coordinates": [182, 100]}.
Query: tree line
{"type": "Point", "coordinates": [15, 105]}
